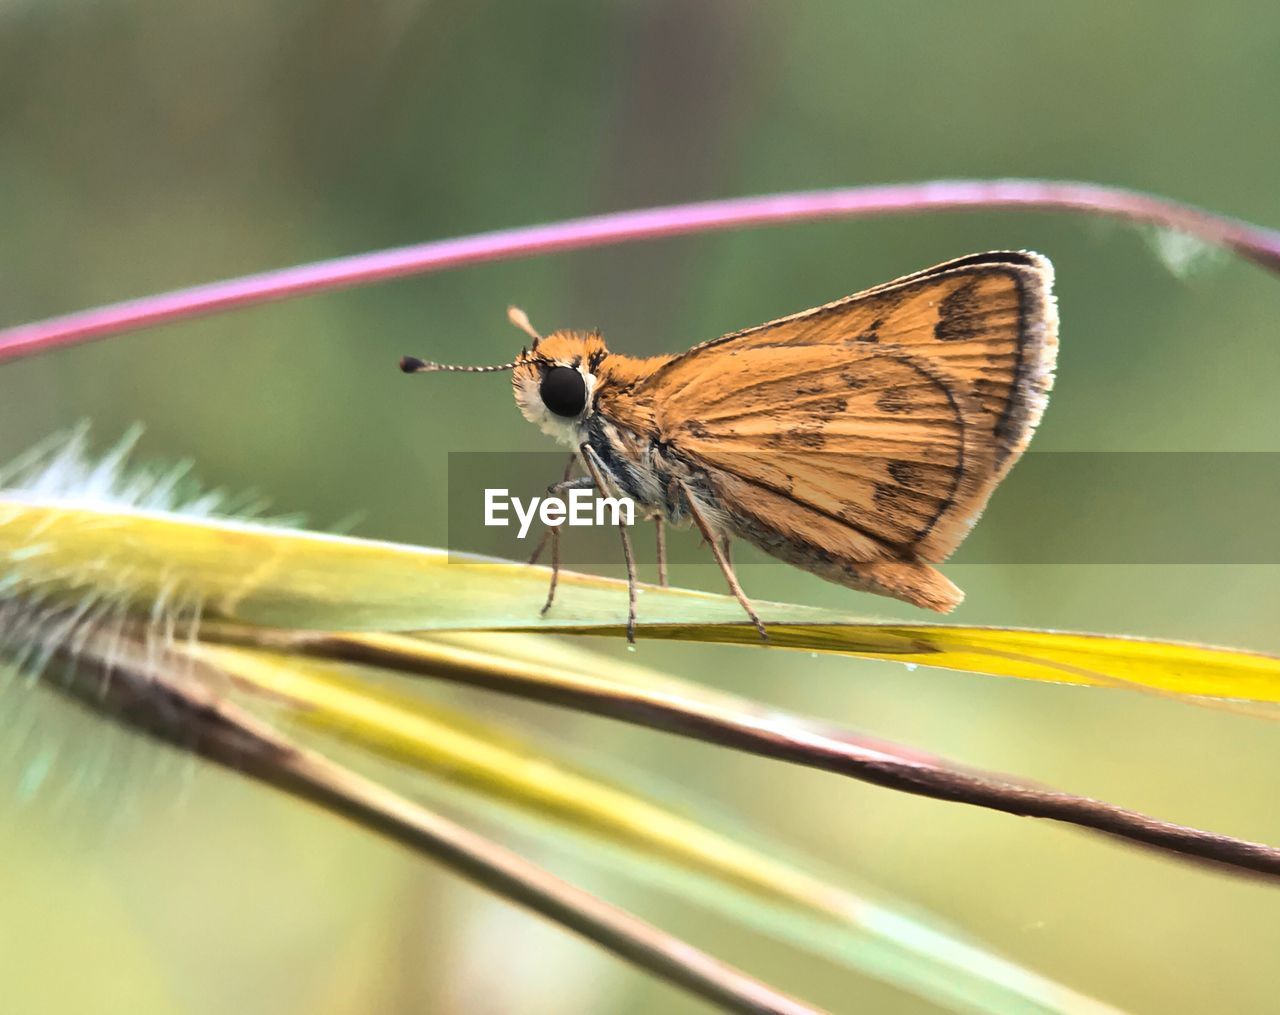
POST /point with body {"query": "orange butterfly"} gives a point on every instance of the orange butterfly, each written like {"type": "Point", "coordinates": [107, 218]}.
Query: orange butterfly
{"type": "Point", "coordinates": [859, 441]}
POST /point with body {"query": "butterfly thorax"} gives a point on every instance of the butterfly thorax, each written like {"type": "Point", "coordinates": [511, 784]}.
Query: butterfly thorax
{"type": "Point", "coordinates": [627, 433]}
{"type": "Point", "coordinates": [617, 418]}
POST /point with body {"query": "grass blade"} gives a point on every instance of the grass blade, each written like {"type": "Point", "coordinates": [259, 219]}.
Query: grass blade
{"type": "Point", "coordinates": [269, 576]}
{"type": "Point", "coordinates": [156, 692]}
{"type": "Point", "coordinates": [686, 709]}
{"type": "Point", "coordinates": [745, 881]}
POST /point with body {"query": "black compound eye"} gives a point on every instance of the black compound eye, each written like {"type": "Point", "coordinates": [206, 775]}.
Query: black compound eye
{"type": "Point", "coordinates": [563, 391]}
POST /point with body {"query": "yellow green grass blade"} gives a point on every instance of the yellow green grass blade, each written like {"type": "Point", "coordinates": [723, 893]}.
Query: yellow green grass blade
{"type": "Point", "coordinates": [140, 677]}
{"type": "Point", "coordinates": [538, 669]}
{"type": "Point", "coordinates": [744, 881]}
{"type": "Point", "coordinates": [278, 577]}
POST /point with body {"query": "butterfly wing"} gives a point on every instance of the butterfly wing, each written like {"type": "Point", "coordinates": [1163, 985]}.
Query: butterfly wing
{"type": "Point", "coordinates": [874, 428]}
{"type": "Point", "coordinates": [986, 321]}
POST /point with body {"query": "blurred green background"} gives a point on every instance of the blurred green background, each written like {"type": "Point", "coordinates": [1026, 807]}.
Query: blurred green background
{"type": "Point", "coordinates": [146, 145]}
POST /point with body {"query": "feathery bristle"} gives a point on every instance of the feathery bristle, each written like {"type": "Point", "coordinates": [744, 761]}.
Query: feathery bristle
{"type": "Point", "coordinates": [92, 620]}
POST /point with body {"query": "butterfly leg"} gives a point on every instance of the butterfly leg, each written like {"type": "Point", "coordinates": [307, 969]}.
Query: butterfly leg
{"type": "Point", "coordinates": [720, 547]}
{"type": "Point", "coordinates": [552, 535]}
{"type": "Point", "coordinates": [547, 533]}
{"type": "Point", "coordinates": [542, 544]}
{"type": "Point", "coordinates": [596, 468]}
{"type": "Point", "coordinates": [661, 527]}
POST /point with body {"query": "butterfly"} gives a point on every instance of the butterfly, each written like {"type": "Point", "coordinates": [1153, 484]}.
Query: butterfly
{"type": "Point", "coordinates": [859, 441]}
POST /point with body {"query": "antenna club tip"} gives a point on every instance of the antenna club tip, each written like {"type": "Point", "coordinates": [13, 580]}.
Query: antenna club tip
{"type": "Point", "coordinates": [411, 364]}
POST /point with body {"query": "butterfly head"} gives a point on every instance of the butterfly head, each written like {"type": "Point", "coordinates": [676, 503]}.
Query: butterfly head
{"type": "Point", "coordinates": [555, 379]}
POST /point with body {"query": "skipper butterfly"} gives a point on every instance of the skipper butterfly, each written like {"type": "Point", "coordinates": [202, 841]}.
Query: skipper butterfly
{"type": "Point", "coordinates": [859, 441]}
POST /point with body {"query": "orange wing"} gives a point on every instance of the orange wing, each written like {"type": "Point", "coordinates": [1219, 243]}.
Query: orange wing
{"type": "Point", "coordinates": [875, 427]}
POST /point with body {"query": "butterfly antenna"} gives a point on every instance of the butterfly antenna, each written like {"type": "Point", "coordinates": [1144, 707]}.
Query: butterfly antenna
{"type": "Point", "coordinates": [413, 365]}
{"type": "Point", "coordinates": [521, 320]}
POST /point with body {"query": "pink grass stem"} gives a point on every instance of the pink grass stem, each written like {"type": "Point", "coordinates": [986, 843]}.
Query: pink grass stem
{"type": "Point", "coordinates": [1255, 243]}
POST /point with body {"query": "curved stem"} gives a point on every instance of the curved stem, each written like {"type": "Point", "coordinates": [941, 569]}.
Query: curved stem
{"type": "Point", "coordinates": [740, 724]}
{"type": "Point", "coordinates": [1256, 243]}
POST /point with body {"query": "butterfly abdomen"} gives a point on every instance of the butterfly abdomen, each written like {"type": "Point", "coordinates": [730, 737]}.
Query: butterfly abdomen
{"type": "Point", "coordinates": [911, 581]}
